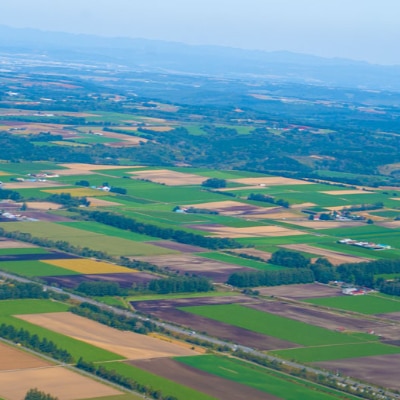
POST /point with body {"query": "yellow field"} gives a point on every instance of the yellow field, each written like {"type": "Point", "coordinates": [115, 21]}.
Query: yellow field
{"type": "Point", "coordinates": [85, 266]}
{"type": "Point", "coordinates": [79, 192]}
{"type": "Point", "coordinates": [4, 173]}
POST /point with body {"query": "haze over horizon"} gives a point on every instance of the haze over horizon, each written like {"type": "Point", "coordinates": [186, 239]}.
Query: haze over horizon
{"type": "Point", "coordinates": [365, 30]}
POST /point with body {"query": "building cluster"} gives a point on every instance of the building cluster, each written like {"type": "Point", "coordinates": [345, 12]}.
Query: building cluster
{"type": "Point", "coordinates": [365, 245]}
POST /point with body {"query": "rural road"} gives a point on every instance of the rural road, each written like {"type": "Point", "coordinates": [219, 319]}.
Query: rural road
{"type": "Point", "coordinates": [379, 394]}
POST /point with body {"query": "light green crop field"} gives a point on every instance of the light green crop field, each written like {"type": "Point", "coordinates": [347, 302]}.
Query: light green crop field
{"type": "Point", "coordinates": [28, 167]}
{"type": "Point", "coordinates": [272, 382]}
{"type": "Point", "coordinates": [34, 268]}
{"type": "Point", "coordinates": [15, 251]}
{"type": "Point", "coordinates": [367, 304]}
{"type": "Point", "coordinates": [11, 308]}
{"type": "Point", "coordinates": [78, 237]}
{"type": "Point", "coordinates": [167, 387]}
{"type": "Point", "coordinates": [108, 230]}
{"type": "Point", "coordinates": [276, 326]}
{"type": "Point", "coordinates": [337, 352]}
{"type": "Point", "coordinates": [244, 262]}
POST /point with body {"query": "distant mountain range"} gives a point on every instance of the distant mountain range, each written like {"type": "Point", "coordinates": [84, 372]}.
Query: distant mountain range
{"type": "Point", "coordinates": [155, 55]}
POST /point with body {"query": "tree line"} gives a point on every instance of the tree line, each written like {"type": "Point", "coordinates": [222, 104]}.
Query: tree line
{"type": "Point", "coordinates": [130, 224]}
{"type": "Point", "coordinates": [36, 394]}
{"type": "Point", "coordinates": [21, 290]}
{"type": "Point", "coordinates": [177, 284]}
{"type": "Point", "coordinates": [34, 342]}
{"type": "Point", "coordinates": [268, 199]}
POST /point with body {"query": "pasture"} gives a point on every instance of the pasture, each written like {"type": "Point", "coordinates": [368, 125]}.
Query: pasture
{"type": "Point", "coordinates": [81, 238]}
{"type": "Point", "coordinates": [34, 268]}
{"type": "Point", "coordinates": [368, 304]}
{"type": "Point", "coordinates": [274, 383]}
{"type": "Point", "coordinates": [275, 325]}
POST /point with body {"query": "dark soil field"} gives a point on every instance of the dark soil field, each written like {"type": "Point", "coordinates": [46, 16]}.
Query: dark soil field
{"type": "Point", "coordinates": [167, 310]}
{"type": "Point", "coordinates": [43, 216]}
{"type": "Point", "coordinates": [306, 291]}
{"type": "Point", "coordinates": [186, 263]}
{"type": "Point", "coordinates": [204, 382]}
{"type": "Point", "coordinates": [54, 255]}
{"type": "Point", "coordinates": [379, 370]}
{"type": "Point", "coordinates": [124, 280]}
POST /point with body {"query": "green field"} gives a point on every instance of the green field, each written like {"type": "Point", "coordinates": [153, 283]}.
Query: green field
{"type": "Point", "coordinates": [34, 268]}
{"type": "Point", "coordinates": [278, 384]}
{"type": "Point", "coordinates": [15, 251]}
{"type": "Point", "coordinates": [367, 304]}
{"type": "Point", "coordinates": [166, 386]}
{"type": "Point", "coordinates": [276, 326]}
{"type": "Point", "coordinates": [10, 308]}
{"type": "Point", "coordinates": [337, 352]}
{"type": "Point", "coordinates": [77, 237]}
{"type": "Point", "coordinates": [244, 262]}
{"type": "Point", "coordinates": [108, 230]}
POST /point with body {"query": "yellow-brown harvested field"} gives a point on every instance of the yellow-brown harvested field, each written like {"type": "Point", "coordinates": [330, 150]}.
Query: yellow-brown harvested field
{"type": "Point", "coordinates": [13, 244]}
{"type": "Point", "coordinates": [60, 382]}
{"type": "Point", "coordinates": [33, 185]}
{"type": "Point", "coordinates": [133, 140]}
{"type": "Point", "coordinates": [390, 224]}
{"type": "Point", "coordinates": [229, 207]}
{"type": "Point", "coordinates": [86, 266]}
{"type": "Point", "coordinates": [79, 192]}
{"type": "Point", "coordinates": [86, 169]}
{"type": "Point", "coordinates": [170, 178]}
{"type": "Point", "coordinates": [159, 128]}
{"type": "Point", "coordinates": [271, 181]}
{"type": "Point", "coordinates": [4, 173]}
{"type": "Point", "coordinates": [335, 257]}
{"type": "Point", "coordinates": [254, 231]}
{"type": "Point", "coordinates": [287, 215]}
{"type": "Point", "coordinates": [96, 202]}
{"type": "Point", "coordinates": [42, 205]}
{"type": "Point", "coordinates": [131, 345]}
{"type": "Point", "coordinates": [327, 224]}
{"type": "Point", "coordinates": [13, 359]}
{"type": "Point", "coordinates": [302, 205]}
{"type": "Point", "coordinates": [344, 192]}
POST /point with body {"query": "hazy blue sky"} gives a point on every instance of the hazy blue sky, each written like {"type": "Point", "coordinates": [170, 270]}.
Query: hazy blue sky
{"type": "Point", "coordinates": [358, 29]}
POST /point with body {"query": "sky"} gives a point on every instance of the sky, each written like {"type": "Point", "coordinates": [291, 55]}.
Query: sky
{"type": "Point", "coordinates": [365, 30]}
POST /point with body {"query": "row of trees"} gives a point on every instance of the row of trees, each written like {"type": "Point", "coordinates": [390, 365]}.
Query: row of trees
{"type": "Point", "coordinates": [114, 320]}
{"type": "Point", "coordinates": [268, 199]}
{"type": "Point", "coordinates": [98, 288]}
{"type": "Point", "coordinates": [178, 284]}
{"type": "Point", "coordinates": [21, 290]}
{"type": "Point", "coordinates": [36, 394]}
{"type": "Point", "coordinates": [34, 342]}
{"type": "Point", "coordinates": [67, 200]}
{"type": "Point", "coordinates": [130, 224]}
{"type": "Point", "coordinates": [271, 278]}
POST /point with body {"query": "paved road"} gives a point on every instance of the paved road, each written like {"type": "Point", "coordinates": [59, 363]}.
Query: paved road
{"type": "Point", "coordinates": [386, 395]}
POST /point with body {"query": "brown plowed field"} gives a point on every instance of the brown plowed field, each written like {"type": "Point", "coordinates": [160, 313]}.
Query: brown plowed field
{"type": "Point", "coordinates": [12, 359]}
{"type": "Point", "coordinates": [13, 244]}
{"type": "Point", "coordinates": [186, 263]}
{"type": "Point", "coordinates": [168, 177]}
{"type": "Point", "coordinates": [167, 310]}
{"type": "Point", "coordinates": [124, 280]}
{"type": "Point", "coordinates": [128, 344]}
{"type": "Point", "coordinates": [202, 381]}
{"type": "Point", "coordinates": [60, 382]}
{"type": "Point", "coordinates": [379, 370]}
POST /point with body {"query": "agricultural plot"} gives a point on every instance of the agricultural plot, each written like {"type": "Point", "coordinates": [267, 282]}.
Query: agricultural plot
{"type": "Point", "coordinates": [367, 304]}
{"type": "Point", "coordinates": [79, 192]}
{"type": "Point", "coordinates": [380, 370]}
{"type": "Point", "coordinates": [58, 381]}
{"type": "Point", "coordinates": [199, 380]}
{"type": "Point", "coordinates": [124, 280]}
{"type": "Point", "coordinates": [275, 385]}
{"type": "Point", "coordinates": [166, 386]}
{"type": "Point", "coordinates": [274, 325]}
{"type": "Point", "coordinates": [169, 177]}
{"type": "Point", "coordinates": [95, 241]}
{"type": "Point", "coordinates": [171, 310]}
{"type": "Point", "coordinates": [301, 291]}
{"type": "Point", "coordinates": [33, 268]}
{"type": "Point", "coordinates": [270, 181]}
{"type": "Point", "coordinates": [127, 344]}
{"type": "Point", "coordinates": [189, 264]}
{"type": "Point", "coordinates": [86, 266]}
